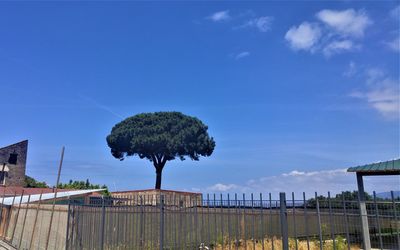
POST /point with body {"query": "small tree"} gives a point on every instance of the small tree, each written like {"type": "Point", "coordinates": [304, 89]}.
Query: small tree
{"type": "Point", "coordinates": [160, 137]}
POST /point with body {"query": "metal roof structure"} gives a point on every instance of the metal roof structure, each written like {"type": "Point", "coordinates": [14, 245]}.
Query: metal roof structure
{"type": "Point", "coordinates": [46, 196]}
{"type": "Point", "coordinates": [391, 167]}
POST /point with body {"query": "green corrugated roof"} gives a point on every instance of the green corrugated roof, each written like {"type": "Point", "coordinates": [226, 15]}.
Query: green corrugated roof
{"type": "Point", "coordinates": [378, 167]}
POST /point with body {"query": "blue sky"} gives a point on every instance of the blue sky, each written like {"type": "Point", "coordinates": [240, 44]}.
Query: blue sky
{"type": "Point", "coordinates": [292, 92]}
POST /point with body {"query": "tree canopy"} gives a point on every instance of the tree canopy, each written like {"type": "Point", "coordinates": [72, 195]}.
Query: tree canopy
{"type": "Point", "coordinates": [32, 183]}
{"type": "Point", "coordinates": [83, 185]}
{"type": "Point", "coordinates": [160, 137]}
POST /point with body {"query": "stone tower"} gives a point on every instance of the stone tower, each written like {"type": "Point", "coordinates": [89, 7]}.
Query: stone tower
{"type": "Point", "coordinates": [13, 164]}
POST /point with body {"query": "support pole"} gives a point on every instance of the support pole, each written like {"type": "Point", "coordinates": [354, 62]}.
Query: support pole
{"type": "Point", "coordinates": [284, 223]}
{"type": "Point", "coordinates": [161, 221]}
{"type": "Point", "coordinates": [363, 212]}
{"type": "Point", "coordinates": [54, 200]}
{"type": "Point", "coordinates": [103, 218]}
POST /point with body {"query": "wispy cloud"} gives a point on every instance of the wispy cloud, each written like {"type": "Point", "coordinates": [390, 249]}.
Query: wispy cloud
{"type": "Point", "coordinates": [335, 32]}
{"type": "Point", "coordinates": [334, 180]}
{"type": "Point", "coordinates": [347, 22]}
{"type": "Point", "coordinates": [303, 37]}
{"type": "Point", "coordinates": [99, 105]}
{"type": "Point", "coordinates": [394, 44]}
{"type": "Point", "coordinates": [381, 93]}
{"type": "Point", "coordinates": [336, 47]}
{"type": "Point", "coordinates": [220, 16]}
{"type": "Point", "coordinates": [395, 13]}
{"type": "Point", "coordinates": [242, 55]}
{"type": "Point", "coordinates": [262, 24]}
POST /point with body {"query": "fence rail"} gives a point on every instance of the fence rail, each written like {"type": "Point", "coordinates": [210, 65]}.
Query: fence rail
{"type": "Point", "coordinates": [214, 222]}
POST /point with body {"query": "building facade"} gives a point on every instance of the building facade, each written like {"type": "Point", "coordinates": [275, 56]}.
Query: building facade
{"type": "Point", "coordinates": [152, 197]}
{"type": "Point", "coordinates": [13, 164]}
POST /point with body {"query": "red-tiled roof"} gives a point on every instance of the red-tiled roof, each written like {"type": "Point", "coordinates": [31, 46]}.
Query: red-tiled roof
{"type": "Point", "coordinates": [11, 191]}
{"type": "Point", "coordinates": [159, 190]}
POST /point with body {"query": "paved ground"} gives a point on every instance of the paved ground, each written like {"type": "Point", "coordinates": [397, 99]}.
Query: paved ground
{"type": "Point", "coordinates": [5, 246]}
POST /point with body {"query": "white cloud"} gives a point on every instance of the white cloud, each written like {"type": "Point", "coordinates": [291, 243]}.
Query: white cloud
{"type": "Point", "coordinates": [222, 187]}
{"type": "Point", "coordinates": [347, 22]}
{"type": "Point", "coordinates": [338, 46]}
{"type": "Point", "coordinates": [242, 55]}
{"type": "Point", "coordinates": [334, 180]}
{"type": "Point", "coordinates": [335, 32]}
{"type": "Point", "coordinates": [382, 93]}
{"type": "Point", "coordinates": [220, 16]}
{"type": "Point", "coordinates": [263, 24]}
{"type": "Point", "coordinates": [303, 37]}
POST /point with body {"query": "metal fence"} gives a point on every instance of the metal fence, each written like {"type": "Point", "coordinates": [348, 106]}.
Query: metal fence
{"type": "Point", "coordinates": [218, 222]}
{"type": "Point", "coordinates": [214, 222]}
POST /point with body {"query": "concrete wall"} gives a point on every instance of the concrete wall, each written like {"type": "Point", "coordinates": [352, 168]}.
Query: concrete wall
{"type": "Point", "coordinates": [30, 220]}
{"type": "Point", "coordinates": [16, 173]}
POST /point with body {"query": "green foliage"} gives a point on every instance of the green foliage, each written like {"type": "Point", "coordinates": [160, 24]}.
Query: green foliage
{"type": "Point", "coordinates": [160, 137]}
{"type": "Point", "coordinates": [32, 183]}
{"type": "Point", "coordinates": [163, 135]}
{"type": "Point", "coordinates": [340, 244]}
{"type": "Point", "coordinates": [83, 185]}
{"type": "Point", "coordinates": [347, 195]}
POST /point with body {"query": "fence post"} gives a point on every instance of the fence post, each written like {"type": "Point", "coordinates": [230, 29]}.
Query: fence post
{"type": "Point", "coordinates": [68, 222]}
{"type": "Point", "coordinates": [363, 212]}
{"type": "Point", "coordinates": [284, 223]}
{"type": "Point", "coordinates": [103, 217]}
{"type": "Point", "coordinates": [161, 221]}
{"type": "Point", "coordinates": [378, 221]}
{"type": "Point", "coordinates": [395, 218]}
{"type": "Point", "coordinates": [321, 246]}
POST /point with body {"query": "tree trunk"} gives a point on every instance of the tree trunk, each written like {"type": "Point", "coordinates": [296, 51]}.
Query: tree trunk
{"type": "Point", "coordinates": [158, 179]}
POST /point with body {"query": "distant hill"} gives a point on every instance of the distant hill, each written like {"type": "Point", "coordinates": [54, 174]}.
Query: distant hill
{"type": "Point", "coordinates": [387, 195]}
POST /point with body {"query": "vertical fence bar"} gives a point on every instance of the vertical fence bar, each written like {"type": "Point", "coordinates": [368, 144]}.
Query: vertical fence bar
{"type": "Point", "coordinates": [35, 220]}
{"type": "Point", "coordinates": [208, 220]}
{"type": "Point", "coordinates": [306, 220]}
{"type": "Point", "coordinates": [161, 221]}
{"type": "Point", "coordinates": [244, 222]}
{"type": "Point", "coordinates": [270, 221]}
{"type": "Point", "coordinates": [253, 222]}
{"type": "Point", "coordinates": [103, 218]}
{"type": "Point", "coordinates": [196, 223]}
{"type": "Point", "coordinates": [294, 221]}
{"type": "Point", "coordinates": [262, 222]}
{"type": "Point", "coordinates": [2, 206]}
{"type": "Point", "coordinates": [190, 222]}
{"type": "Point", "coordinates": [284, 223]}
{"type": "Point", "coordinates": [16, 217]}
{"type": "Point", "coordinates": [215, 221]}
{"type": "Point", "coordinates": [331, 221]}
{"type": "Point", "coordinates": [222, 221]}
{"type": "Point", "coordinates": [237, 235]}
{"type": "Point", "coordinates": [229, 223]}
{"type": "Point", "coordinates": [23, 223]}
{"type": "Point", "coordinates": [9, 214]}
{"type": "Point", "coordinates": [55, 196]}
{"type": "Point", "coordinates": [346, 221]}
{"type": "Point", "coordinates": [68, 226]}
{"type": "Point", "coordinates": [378, 221]}
{"type": "Point", "coordinates": [395, 218]}
{"type": "Point", "coordinates": [319, 222]}
{"type": "Point", "coordinates": [141, 220]}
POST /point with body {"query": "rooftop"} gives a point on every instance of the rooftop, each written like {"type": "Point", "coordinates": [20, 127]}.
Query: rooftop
{"type": "Point", "coordinates": [384, 167]}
